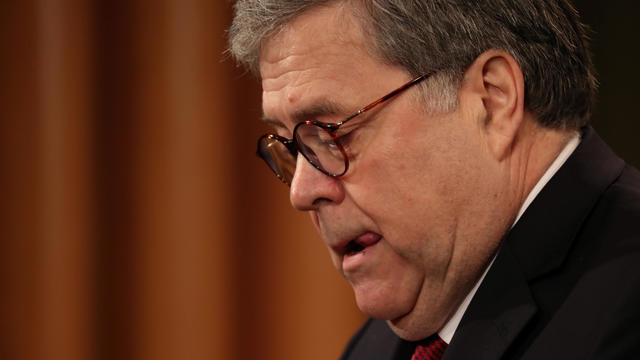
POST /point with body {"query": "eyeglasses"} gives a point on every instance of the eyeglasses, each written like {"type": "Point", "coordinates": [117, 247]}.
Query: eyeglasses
{"type": "Point", "coordinates": [322, 144]}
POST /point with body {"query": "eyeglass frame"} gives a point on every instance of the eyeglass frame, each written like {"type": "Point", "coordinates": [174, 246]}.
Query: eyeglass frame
{"type": "Point", "coordinates": [331, 129]}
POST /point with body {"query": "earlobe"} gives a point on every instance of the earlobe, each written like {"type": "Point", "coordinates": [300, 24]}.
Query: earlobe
{"type": "Point", "coordinates": [499, 82]}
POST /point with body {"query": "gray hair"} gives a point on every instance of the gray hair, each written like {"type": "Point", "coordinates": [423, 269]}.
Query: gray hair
{"type": "Point", "coordinates": [544, 36]}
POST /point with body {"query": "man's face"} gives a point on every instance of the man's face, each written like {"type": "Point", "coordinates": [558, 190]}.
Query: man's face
{"type": "Point", "coordinates": [407, 224]}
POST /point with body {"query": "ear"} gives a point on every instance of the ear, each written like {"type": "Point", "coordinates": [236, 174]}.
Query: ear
{"type": "Point", "coordinates": [495, 78]}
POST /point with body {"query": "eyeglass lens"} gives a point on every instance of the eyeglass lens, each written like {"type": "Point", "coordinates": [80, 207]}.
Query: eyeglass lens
{"type": "Point", "coordinates": [281, 161]}
{"type": "Point", "coordinates": [319, 146]}
{"type": "Point", "coordinates": [315, 143]}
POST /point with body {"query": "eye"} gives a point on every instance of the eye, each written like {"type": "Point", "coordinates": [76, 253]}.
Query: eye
{"type": "Point", "coordinates": [326, 141]}
{"type": "Point", "coordinates": [345, 138]}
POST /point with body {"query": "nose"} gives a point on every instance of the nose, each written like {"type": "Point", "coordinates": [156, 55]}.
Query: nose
{"type": "Point", "coordinates": [310, 188]}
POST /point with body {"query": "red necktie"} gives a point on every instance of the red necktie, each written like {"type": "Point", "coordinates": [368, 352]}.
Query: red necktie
{"type": "Point", "coordinates": [430, 349]}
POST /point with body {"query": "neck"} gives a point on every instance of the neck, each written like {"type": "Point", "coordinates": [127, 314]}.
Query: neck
{"type": "Point", "coordinates": [533, 151]}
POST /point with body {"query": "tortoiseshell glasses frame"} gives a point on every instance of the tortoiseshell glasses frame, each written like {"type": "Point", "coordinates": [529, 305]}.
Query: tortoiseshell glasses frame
{"type": "Point", "coordinates": [318, 142]}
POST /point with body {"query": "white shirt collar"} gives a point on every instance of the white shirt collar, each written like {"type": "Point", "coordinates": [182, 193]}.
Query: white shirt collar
{"type": "Point", "coordinates": [447, 331]}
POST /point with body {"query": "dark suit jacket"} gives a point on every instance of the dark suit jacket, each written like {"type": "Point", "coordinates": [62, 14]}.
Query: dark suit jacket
{"type": "Point", "coordinates": [566, 282]}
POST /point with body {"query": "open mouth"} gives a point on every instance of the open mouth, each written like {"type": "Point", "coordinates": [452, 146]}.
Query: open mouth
{"type": "Point", "coordinates": [359, 251]}
{"type": "Point", "coordinates": [359, 244]}
{"type": "Point", "coordinates": [353, 248]}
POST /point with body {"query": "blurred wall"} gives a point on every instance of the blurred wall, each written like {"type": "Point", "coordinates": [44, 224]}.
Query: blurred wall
{"type": "Point", "coordinates": [136, 222]}
{"type": "Point", "coordinates": [615, 30]}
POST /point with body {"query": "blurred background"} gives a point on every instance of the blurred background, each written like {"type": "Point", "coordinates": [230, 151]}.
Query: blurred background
{"type": "Point", "coordinates": [136, 221]}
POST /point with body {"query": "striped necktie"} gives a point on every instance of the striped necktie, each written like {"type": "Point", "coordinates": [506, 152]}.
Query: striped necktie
{"type": "Point", "coordinates": [431, 348]}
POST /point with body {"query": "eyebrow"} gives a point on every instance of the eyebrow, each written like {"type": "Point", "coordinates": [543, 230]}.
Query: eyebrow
{"type": "Point", "coordinates": [319, 109]}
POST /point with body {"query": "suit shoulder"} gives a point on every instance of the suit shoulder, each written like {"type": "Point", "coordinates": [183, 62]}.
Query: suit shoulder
{"type": "Point", "coordinates": [355, 339]}
{"type": "Point", "coordinates": [626, 189]}
{"type": "Point", "coordinates": [374, 341]}
{"type": "Point", "coordinates": [617, 214]}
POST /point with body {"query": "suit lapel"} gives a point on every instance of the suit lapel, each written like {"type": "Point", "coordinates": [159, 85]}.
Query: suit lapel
{"type": "Point", "coordinates": [538, 244]}
{"type": "Point", "coordinates": [376, 341]}
{"type": "Point", "coordinates": [500, 309]}
{"type": "Point", "coordinates": [543, 237]}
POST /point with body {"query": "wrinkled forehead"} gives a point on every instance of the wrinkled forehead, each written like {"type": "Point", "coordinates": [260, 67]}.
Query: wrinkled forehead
{"type": "Point", "coordinates": [319, 67]}
{"type": "Point", "coordinates": [312, 38]}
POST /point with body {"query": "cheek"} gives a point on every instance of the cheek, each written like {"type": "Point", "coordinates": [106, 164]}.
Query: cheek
{"type": "Point", "coordinates": [405, 173]}
{"type": "Point", "coordinates": [413, 189]}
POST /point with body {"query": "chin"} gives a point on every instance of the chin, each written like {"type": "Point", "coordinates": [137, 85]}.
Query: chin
{"type": "Point", "coordinates": [383, 305]}
{"type": "Point", "coordinates": [380, 311]}
{"type": "Point", "coordinates": [424, 319]}
{"type": "Point", "coordinates": [412, 327]}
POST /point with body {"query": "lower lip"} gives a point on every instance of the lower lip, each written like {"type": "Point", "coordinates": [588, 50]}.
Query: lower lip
{"type": "Point", "coordinates": [351, 262]}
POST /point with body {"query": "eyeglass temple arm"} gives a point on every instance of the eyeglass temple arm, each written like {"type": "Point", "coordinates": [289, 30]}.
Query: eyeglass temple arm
{"type": "Point", "coordinates": [387, 97]}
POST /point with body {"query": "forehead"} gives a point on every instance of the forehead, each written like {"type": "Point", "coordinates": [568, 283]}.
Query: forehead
{"type": "Point", "coordinates": [327, 26]}
{"type": "Point", "coordinates": [319, 57]}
